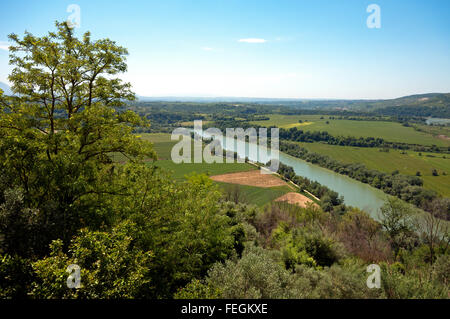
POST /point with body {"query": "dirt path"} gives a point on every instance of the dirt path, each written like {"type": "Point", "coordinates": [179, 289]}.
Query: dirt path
{"type": "Point", "coordinates": [250, 178]}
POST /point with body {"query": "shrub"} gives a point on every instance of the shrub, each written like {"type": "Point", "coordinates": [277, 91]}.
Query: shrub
{"type": "Point", "coordinates": [255, 275]}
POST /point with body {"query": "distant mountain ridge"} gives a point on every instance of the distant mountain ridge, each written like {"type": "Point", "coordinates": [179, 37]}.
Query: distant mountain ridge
{"type": "Point", "coordinates": [425, 105]}
{"type": "Point", "coordinates": [430, 104]}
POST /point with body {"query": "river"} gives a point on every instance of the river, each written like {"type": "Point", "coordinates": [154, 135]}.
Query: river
{"type": "Point", "coordinates": [439, 121]}
{"type": "Point", "coordinates": [355, 193]}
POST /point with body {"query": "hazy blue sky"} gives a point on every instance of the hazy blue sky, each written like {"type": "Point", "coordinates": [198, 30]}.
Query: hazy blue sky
{"type": "Point", "coordinates": [307, 49]}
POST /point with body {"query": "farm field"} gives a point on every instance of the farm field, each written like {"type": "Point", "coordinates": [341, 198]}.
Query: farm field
{"type": "Point", "coordinates": [259, 196]}
{"type": "Point", "coordinates": [179, 171]}
{"type": "Point", "coordinates": [296, 199]}
{"type": "Point", "coordinates": [439, 131]}
{"type": "Point", "coordinates": [163, 146]}
{"type": "Point", "coordinates": [251, 178]}
{"type": "Point", "coordinates": [389, 131]}
{"type": "Point", "coordinates": [407, 164]}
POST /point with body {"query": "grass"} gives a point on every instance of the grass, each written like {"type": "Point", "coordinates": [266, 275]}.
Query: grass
{"type": "Point", "coordinates": [390, 131]}
{"type": "Point", "coordinates": [162, 144]}
{"type": "Point", "coordinates": [254, 195]}
{"type": "Point", "coordinates": [259, 196]}
{"type": "Point", "coordinates": [179, 171]}
{"type": "Point", "coordinates": [434, 130]}
{"type": "Point", "coordinates": [407, 164]}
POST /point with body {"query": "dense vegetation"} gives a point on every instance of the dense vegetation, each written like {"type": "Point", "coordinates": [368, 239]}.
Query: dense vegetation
{"type": "Point", "coordinates": [387, 160]}
{"type": "Point", "coordinates": [421, 105]}
{"type": "Point", "coordinates": [329, 199]}
{"type": "Point", "coordinates": [298, 135]}
{"type": "Point", "coordinates": [407, 188]}
{"type": "Point", "coordinates": [136, 233]}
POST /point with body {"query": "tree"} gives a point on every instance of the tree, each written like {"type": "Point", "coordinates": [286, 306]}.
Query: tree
{"type": "Point", "coordinates": [434, 231]}
{"type": "Point", "coordinates": [397, 218]}
{"type": "Point", "coordinates": [58, 132]}
{"type": "Point", "coordinates": [362, 236]}
{"type": "Point", "coordinates": [110, 266]}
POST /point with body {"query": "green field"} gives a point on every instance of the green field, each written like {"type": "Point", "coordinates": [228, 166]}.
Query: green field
{"type": "Point", "coordinates": [161, 143]}
{"type": "Point", "coordinates": [407, 164]}
{"type": "Point", "coordinates": [259, 196]}
{"type": "Point", "coordinates": [163, 147]}
{"type": "Point", "coordinates": [179, 171]}
{"type": "Point", "coordinates": [434, 129]}
{"type": "Point", "coordinates": [249, 194]}
{"type": "Point", "coordinates": [390, 131]}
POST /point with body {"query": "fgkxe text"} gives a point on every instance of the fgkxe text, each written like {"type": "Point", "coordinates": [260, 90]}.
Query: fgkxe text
{"type": "Point", "coordinates": [246, 308]}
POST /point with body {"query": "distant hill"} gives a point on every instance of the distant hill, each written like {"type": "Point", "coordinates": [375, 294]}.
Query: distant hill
{"type": "Point", "coordinates": [431, 104]}
{"type": "Point", "coordinates": [6, 89]}
{"type": "Point", "coordinates": [213, 99]}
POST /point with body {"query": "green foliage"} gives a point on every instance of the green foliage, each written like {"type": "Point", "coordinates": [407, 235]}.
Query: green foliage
{"type": "Point", "coordinates": [258, 275]}
{"type": "Point", "coordinates": [441, 270]}
{"type": "Point", "coordinates": [16, 276]}
{"type": "Point", "coordinates": [416, 283]}
{"type": "Point", "coordinates": [197, 289]}
{"type": "Point", "coordinates": [183, 224]}
{"type": "Point", "coordinates": [411, 163]}
{"type": "Point", "coordinates": [364, 127]}
{"type": "Point", "coordinates": [57, 131]}
{"type": "Point", "coordinates": [361, 236]}
{"type": "Point", "coordinates": [110, 266]}
{"type": "Point", "coordinates": [255, 275]}
{"type": "Point", "coordinates": [398, 219]}
{"type": "Point", "coordinates": [306, 245]}
{"type": "Point", "coordinates": [137, 232]}
{"type": "Point", "coordinates": [19, 226]}
{"type": "Point", "coordinates": [338, 282]}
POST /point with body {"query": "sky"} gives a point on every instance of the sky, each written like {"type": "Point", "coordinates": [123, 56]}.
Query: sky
{"type": "Point", "coordinates": [274, 49]}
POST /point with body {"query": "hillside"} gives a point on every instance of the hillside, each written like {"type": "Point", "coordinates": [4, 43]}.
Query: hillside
{"type": "Point", "coordinates": [431, 104]}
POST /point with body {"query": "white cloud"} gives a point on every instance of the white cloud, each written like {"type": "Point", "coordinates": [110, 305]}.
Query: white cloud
{"type": "Point", "coordinates": [4, 45]}
{"type": "Point", "coordinates": [207, 49]}
{"type": "Point", "coordinates": [253, 40]}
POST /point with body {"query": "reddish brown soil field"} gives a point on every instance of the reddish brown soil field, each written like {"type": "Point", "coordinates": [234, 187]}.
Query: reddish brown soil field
{"type": "Point", "coordinates": [296, 199]}
{"type": "Point", "coordinates": [250, 178]}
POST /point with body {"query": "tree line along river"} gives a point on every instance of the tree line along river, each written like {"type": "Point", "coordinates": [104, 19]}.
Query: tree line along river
{"type": "Point", "coordinates": [355, 193]}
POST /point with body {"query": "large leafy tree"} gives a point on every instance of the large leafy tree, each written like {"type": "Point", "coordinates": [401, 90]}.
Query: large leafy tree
{"type": "Point", "coordinates": [58, 131]}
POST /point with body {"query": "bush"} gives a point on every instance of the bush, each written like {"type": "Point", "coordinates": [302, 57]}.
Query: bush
{"type": "Point", "coordinates": [255, 275]}
{"type": "Point", "coordinates": [441, 269]}
{"type": "Point", "coordinates": [306, 245]}
{"type": "Point", "coordinates": [110, 267]}
{"type": "Point", "coordinates": [412, 284]}
{"type": "Point", "coordinates": [339, 282]}
{"type": "Point", "coordinates": [16, 275]}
